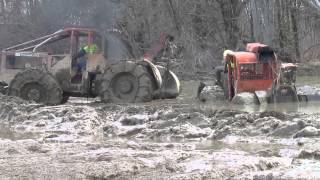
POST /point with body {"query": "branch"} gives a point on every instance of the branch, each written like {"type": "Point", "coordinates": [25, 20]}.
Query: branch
{"type": "Point", "coordinates": [313, 4]}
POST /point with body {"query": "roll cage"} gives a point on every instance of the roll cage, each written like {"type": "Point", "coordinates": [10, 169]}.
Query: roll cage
{"type": "Point", "coordinates": [73, 33]}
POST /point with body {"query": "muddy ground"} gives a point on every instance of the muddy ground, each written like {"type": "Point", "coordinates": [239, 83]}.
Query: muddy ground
{"type": "Point", "coordinates": [165, 139]}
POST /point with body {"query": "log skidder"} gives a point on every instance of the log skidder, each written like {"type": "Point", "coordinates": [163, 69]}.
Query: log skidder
{"type": "Point", "coordinates": [51, 78]}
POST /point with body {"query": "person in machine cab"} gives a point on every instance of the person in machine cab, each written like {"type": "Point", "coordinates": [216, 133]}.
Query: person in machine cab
{"type": "Point", "coordinates": [80, 60]}
{"type": "Point", "coordinates": [87, 49]}
{"type": "Point", "coordinates": [228, 63]}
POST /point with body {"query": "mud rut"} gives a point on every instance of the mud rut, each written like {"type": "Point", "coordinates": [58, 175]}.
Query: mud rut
{"type": "Point", "coordinates": [167, 139]}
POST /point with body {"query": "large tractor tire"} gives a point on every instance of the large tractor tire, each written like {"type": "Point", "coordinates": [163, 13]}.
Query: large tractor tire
{"type": "Point", "coordinates": [219, 71]}
{"type": "Point", "coordinates": [285, 94]}
{"type": "Point", "coordinates": [36, 85]}
{"type": "Point", "coordinates": [222, 80]}
{"type": "Point", "coordinates": [126, 82]}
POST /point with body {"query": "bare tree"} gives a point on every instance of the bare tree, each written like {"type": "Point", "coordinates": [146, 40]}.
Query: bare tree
{"type": "Point", "coordinates": [201, 29]}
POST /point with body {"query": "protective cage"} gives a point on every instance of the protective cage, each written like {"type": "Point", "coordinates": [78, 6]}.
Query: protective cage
{"type": "Point", "coordinates": [256, 71]}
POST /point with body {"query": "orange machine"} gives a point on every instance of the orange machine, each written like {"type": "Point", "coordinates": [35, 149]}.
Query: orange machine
{"type": "Point", "coordinates": [252, 70]}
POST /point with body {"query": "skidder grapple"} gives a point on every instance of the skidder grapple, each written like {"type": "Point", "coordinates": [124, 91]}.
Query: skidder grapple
{"type": "Point", "coordinates": [49, 70]}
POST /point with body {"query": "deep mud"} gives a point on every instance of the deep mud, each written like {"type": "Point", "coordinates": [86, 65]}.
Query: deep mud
{"type": "Point", "coordinates": [166, 139]}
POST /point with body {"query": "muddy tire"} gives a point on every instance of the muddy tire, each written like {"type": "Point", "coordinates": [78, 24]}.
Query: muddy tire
{"type": "Point", "coordinates": [126, 82]}
{"type": "Point", "coordinates": [224, 84]}
{"type": "Point", "coordinates": [36, 85]}
{"type": "Point", "coordinates": [285, 94]}
{"type": "Point", "coordinates": [219, 71]}
{"type": "Point", "coordinates": [3, 88]}
{"type": "Point", "coordinates": [65, 99]}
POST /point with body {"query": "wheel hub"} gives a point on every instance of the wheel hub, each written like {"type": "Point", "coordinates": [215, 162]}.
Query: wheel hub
{"type": "Point", "coordinates": [283, 92]}
{"type": "Point", "coordinates": [125, 86]}
{"type": "Point", "coordinates": [33, 94]}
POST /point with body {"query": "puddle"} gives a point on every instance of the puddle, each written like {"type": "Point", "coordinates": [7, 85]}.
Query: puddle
{"type": "Point", "coordinates": [249, 147]}
{"type": "Point", "coordinates": [189, 92]}
{"type": "Point", "coordinates": [308, 108]}
{"type": "Point", "coordinates": [7, 132]}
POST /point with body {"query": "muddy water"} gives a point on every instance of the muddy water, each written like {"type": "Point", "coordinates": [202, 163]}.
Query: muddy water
{"type": "Point", "coordinates": [8, 132]}
{"type": "Point", "coordinates": [189, 91]}
{"type": "Point", "coordinates": [308, 80]}
{"type": "Point", "coordinates": [164, 139]}
{"type": "Point", "coordinates": [309, 108]}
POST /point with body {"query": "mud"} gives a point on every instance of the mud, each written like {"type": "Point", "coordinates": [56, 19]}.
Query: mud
{"type": "Point", "coordinates": [165, 139]}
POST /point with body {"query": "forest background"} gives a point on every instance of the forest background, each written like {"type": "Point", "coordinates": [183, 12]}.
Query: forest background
{"type": "Point", "coordinates": [202, 29]}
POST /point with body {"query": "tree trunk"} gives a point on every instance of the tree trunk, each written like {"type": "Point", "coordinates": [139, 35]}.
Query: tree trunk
{"type": "Point", "coordinates": [294, 22]}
